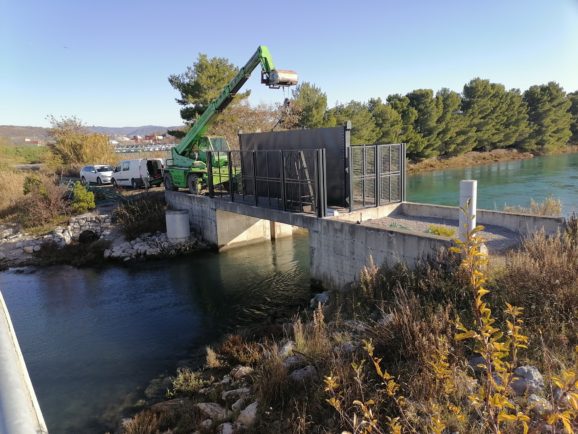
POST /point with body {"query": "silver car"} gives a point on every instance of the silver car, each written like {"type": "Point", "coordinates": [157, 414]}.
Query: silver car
{"type": "Point", "coordinates": [99, 174]}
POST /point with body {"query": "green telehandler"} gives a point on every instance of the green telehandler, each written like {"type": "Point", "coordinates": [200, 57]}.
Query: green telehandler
{"type": "Point", "coordinates": [187, 167]}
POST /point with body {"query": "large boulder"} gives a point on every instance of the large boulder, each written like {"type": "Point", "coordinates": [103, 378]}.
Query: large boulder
{"type": "Point", "coordinates": [527, 379]}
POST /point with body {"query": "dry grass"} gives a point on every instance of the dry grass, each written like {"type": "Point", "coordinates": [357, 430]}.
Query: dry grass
{"type": "Point", "coordinates": [549, 207]}
{"type": "Point", "coordinates": [212, 359]}
{"type": "Point", "coordinates": [145, 214]}
{"type": "Point", "coordinates": [468, 159]}
{"type": "Point", "coordinates": [442, 231]}
{"type": "Point", "coordinates": [12, 183]}
{"type": "Point", "coordinates": [236, 350]}
{"type": "Point", "coordinates": [272, 386]}
{"type": "Point", "coordinates": [542, 277]}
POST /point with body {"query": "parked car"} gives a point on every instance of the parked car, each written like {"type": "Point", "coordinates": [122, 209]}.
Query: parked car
{"type": "Point", "coordinates": [137, 173]}
{"type": "Point", "coordinates": [99, 174]}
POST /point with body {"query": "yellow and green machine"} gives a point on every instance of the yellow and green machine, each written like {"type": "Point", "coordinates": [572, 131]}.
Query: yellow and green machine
{"type": "Point", "coordinates": [187, 167]}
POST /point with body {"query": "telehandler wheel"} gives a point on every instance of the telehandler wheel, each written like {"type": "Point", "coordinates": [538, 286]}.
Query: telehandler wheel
{"type": "Point", "coordinates": [169, 183]}
{"type": "Point", "coordinates": [193, 184]}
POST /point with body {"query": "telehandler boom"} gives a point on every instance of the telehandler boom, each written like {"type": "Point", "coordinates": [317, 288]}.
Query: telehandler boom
{"type": "Point", "coordinates": [187, 166]}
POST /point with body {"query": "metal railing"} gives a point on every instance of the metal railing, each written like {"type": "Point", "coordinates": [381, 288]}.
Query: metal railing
{"type": "Point", "coordinates": [19, 409]}
{"type": "Point", "coordinates": [376, 175]}
{"type": "Point", "coordinates": [288, 180]}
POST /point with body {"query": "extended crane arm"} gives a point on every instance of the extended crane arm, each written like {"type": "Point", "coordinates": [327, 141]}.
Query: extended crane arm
{"type": "Point", "coordinates": [269, 76]}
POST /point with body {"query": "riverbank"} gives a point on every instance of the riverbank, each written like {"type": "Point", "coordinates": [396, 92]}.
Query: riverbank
{"type": "Point", "coordinates": [90, 239]}
{"type": "Point", "coordinates": [471, 159]}
{"type": "Point", "coordinates": [391, 353]}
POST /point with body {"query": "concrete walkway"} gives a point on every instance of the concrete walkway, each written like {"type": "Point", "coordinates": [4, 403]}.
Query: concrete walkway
{"type": "Point", "coordinates": [498, 239]}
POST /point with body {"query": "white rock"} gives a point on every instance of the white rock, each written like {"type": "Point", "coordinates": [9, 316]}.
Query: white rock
{"type": "Point", "coordinates": [107, 253]}
{"type": "Point", "coordinates": [37, 248]}
{"type": "Point", "coordinates": [213, 411]}
{"type": "Point", "coordinates": [225, 428]}
{"type": "Point", "coordinates": [206, 424]}
{"type": "Point", "coordinates": [28, 249]}
{"type": "Point", "coordinates": [248, 416]}
{"type": "Point", "coordinates": [2, 256]}
{"type": "Point", "coordinates": [241, 371]}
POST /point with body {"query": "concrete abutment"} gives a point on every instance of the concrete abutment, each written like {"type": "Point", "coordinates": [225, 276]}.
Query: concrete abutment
{"type": "Point", "coordinates": [342, 245]}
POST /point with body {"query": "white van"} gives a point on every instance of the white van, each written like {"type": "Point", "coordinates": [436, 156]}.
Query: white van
{"type": "Point", "coordinates": [136, 173]}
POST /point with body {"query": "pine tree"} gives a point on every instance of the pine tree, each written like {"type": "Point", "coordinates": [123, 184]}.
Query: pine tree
{"type": "Point", "coordinates": [311, 105]}
{"type": "Point", "coordinates": [387, 121]}
{"type": "Point", "coordinates": [549, 115]}
{"type": "Point", "coordinates": [573, 97]}
{"type": "Point", "coordinates": [363, 128]}
{"type": "Point", "coordinates": [455, 135]}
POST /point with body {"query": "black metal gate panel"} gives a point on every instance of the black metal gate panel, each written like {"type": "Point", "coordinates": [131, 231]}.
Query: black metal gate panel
{"type": "Point", "coordinates": [376, 175]}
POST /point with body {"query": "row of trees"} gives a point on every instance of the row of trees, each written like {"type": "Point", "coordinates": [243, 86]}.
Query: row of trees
{"type": "Point", "coordinates": [483, 117]}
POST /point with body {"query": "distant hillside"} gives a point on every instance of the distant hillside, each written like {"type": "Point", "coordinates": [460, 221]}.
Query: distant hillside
{"type": "Point", "coordinates": [19, 133]}
{"type": "Point", "coordinates": [16, 134]}
{"type": "Point", "coordinates": [131, 131]}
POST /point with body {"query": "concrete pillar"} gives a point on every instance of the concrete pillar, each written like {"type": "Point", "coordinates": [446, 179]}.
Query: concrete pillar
{"type": "Point", "coordinates": [468, 207]}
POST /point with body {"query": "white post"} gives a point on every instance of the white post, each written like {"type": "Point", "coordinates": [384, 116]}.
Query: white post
{"type": "Point", "coordinates": [468, 203]}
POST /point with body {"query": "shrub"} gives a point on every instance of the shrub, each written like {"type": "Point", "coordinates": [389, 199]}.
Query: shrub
{"type": "Point", "coordinates": [145, 214]}
{"type": "Point", "coordinates": [442, 231]}
{"type": "Point", "coordinates": [82, 199]}
{"type": "Point", "coordinates": [187, 382]}
{"type": "Point", "coordinates": [44, 202]}
{"type": "Point", "coordinates": [542, 277]}
{"type": "Point", "coordinates": [550, 207]}
{"type": "Point", "coordinates": [32, 184]}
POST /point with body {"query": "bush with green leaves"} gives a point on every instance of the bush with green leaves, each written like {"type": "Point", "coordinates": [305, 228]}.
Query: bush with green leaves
{"type": "Point", "coordinates": [82, 199]}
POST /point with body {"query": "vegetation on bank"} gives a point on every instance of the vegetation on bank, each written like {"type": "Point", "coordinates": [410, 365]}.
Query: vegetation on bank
{"type": "Point", "coordinates": [143, 214]}
{"type": "Point", "coordinates": [429, 350]}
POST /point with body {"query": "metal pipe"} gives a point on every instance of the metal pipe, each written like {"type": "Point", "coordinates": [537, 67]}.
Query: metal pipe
{"type": "Point", "coordinates": [19, 409]}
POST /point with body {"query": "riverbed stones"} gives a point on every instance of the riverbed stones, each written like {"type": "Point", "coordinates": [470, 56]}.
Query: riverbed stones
{"type": "Point", "coordinates": [212, 410]}
{"type": "Point", "coordinates": [527, 380]}
{"type": "Point", "coordinates": [230, 395]}
{"type": "Point", "coordinates": [239, 372]}
{"type": "Point", "coordinates": [247, 417]}
{"type": "Point", "coordinates": [303, 375]}
{"type": "Point", "coordinates": [321, 298]}
{"type": "Point", "coordinates": [225, 428]}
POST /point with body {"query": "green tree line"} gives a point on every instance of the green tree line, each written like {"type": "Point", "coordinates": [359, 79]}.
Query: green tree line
{"type": "Point", "coordinates": [483, 117]}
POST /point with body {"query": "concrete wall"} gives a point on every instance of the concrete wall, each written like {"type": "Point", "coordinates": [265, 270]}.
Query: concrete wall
{"type": "Point", "coordinates": [368, 213]}
{"type": "Point", "coordinates": [520, 223]}
{"type": "Point", "coordinates": [339, 250]}
{"type": "Point", "coordinates": [226, 229]}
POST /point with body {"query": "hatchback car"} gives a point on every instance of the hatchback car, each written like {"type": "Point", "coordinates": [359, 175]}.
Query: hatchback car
{"type": "Point", "coordinates": [99, 174]}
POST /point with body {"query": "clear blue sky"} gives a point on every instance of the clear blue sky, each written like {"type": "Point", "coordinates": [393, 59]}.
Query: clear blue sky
{"type": "Point", "coordinates": [107, 62]}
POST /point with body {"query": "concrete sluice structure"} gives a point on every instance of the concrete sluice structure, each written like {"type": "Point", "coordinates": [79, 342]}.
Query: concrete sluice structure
{"type": "Point", "coordinates": [341, 245]}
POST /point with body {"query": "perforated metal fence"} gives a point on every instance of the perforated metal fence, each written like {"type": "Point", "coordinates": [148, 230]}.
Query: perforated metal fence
{"type": "Point", "coordinates": [288, 180]}
{"type": "Point", "coordinates": [377, 175]}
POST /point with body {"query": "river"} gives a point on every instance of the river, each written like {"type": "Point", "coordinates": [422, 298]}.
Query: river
{"type": "Point", "coordinates": [504, 183]}
{"type": "Point", "coordinates": [93, 338]}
